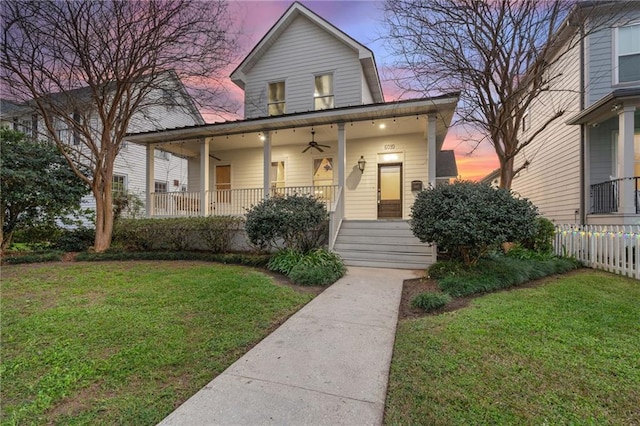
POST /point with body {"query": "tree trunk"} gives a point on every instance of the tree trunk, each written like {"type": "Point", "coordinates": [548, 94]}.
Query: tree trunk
{"type": "Point", "coordinates": [104, 219]}
{"type": "Point", "coordinates": [506, 173]}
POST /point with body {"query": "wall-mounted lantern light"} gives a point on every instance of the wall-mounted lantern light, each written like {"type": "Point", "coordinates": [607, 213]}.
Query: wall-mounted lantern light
{"type": "Point", "coordinates": [361, 163]}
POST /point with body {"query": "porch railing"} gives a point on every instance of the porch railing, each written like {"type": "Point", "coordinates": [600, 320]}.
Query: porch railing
{"type": "Point", "coordinates": [337, 216]}
{"type": "Point", "coordinates": [232, 202]}
{"type": "Point", "coordinates": [605, 196]}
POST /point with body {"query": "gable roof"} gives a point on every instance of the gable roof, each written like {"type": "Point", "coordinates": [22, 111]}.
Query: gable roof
{"type": "Point", "coordinates": [367, 60]}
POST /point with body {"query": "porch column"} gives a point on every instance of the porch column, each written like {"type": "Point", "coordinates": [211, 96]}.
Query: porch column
{"type": "Point", "coordinates": [204, 177]}
{"type": "Point", "coordinates": [266, 179]}
{"type": "Point", "coordinates": [342, 155]}
{"type": "Point", "coordinates": [626, 159]}
{"type": "Point", "coordinates": [431, 146]}
{"type": "Point", "coordinates": [150, 180]}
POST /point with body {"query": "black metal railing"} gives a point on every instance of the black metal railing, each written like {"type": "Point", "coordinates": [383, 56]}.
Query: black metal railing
{"type": "Point", "coordinates": [605, 196]}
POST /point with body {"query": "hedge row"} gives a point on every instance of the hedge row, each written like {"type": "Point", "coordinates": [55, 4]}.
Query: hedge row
{"type": "Point", "coordinates": [214, 233]}
{"type": "Point", "coordinates": [232, 258]}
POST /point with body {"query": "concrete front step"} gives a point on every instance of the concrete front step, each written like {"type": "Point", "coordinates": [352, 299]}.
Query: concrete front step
{"type": "Point", "coordinates": [383, 244]}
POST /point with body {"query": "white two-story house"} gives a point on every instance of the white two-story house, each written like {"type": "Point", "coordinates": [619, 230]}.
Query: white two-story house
{"type": "Point", "coordinates": [585, 167]}
{"type": "Point", "coordinates": [315, 123]}
{"type": "Point", "coordinates": [170, 171]}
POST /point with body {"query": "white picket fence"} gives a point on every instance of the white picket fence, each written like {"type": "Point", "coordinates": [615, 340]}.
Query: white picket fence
{"type": "Point", "coordinates": [610, 248]}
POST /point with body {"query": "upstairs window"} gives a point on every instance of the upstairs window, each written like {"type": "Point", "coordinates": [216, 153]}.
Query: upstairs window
{"type": "Point", "coordinates": [276, 98]}
{"type": "Point", "coordinates": [323, 94]}
{"type": "Point", "coordinates": [628, 53]}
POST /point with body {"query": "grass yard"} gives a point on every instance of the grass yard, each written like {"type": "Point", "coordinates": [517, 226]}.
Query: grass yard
{"type": "Point", "coordinates": [566, 352]}
{"type": "Point", "coordinates": [126, 342]}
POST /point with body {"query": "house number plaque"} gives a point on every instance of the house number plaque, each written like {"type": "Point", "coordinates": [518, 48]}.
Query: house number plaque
{"type": "Point", "coordinates": [390, 147]}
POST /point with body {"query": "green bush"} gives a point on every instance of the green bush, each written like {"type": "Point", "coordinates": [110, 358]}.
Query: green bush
{"type": "Point", "coordinates": [313, 275]}
{"type": "Point", "coordinates": [430, 301]}
{"type": "Point", "coordinates": [299, 222]}
{"type": "Point", "coordinates": [499, 272]}
{"type": "Point", "coordinates": [468, 219]}
{"type": "Point", "coordinates": [542, 241]}
{"type": "Point", "coordinates": [444, 268]}
{"type": "Point", "coordinates": [232, 258]}
{"type": "Point", "coordinates": [213, 233]}
{"type": "Point", "coordinates": [34, 257]}
{"type": "Point", "coordinates": [284, 261]}
{"type": "Point", "coordinates": [520, 252]}
{"type": "Point", "coordinates": [78, 239]}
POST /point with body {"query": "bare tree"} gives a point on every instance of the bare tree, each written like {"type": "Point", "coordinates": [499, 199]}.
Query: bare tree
{"type": "Point", "coordinates": [499, 55]}
{"type": "Point", "coordinates": [92, 68]}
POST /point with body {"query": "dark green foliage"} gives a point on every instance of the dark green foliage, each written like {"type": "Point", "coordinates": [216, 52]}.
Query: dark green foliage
{"type": "Point", "coordinates": [78, 239]}
{"type": "Point", "coordinates": [542, 241]}
{"type": "Point", "coordinates": [36, 183]}
{"type": "Point", "coordinates": [430, 301]}
{"type": "Point", "coordinates": [284, 261]}
{"type": "Point", "coordinates": [444, 268]}
{"type": "Point", "coordinates": [34, 257]}
{"type": "Point", "coordinates": [213, 233]}
{"type": "Point", "coordinates": [499, 272]}
{"type": "Point", "coordinates": [467, 219]}
{"type": "Point", "coordinates": [233, 258]}
{"type": "Point", "coordinates": [317, 267]}
{"type": "Point", "coordinates": [520, 252]}
{"type": "Point", "coordinates": [298, 221]}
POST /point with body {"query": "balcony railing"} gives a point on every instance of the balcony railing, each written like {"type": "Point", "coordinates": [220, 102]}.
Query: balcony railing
{"type": "Point", "coordinates": [232, 202]}
{"type": "Point", "coordinates": [605, 196]}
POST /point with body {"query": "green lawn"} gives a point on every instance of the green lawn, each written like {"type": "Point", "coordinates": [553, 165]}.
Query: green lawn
{"type": "Point", "coordinates": [125, 342]}
{"type": "Point", "coordinates": [567, 352]}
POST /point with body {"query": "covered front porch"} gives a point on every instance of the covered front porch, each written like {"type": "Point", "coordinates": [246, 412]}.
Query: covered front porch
{"type": "Point", "coordinates": [611, 129]}
{"type": "Point", "coordinates": [365, 162]}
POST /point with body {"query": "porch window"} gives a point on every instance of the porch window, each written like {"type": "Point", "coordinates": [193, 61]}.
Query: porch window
{"type": "Point", "coordinates": [223, 184]}
{"type": "Point", "coordinates": [160, 186]}
{"type": "Point", "coordinates": [628, 53]}
{"type": "Point", "coordinates": [276, 98]}
{"type": "Point", "coordinates": [323, 178]}
{"type": "Point", "coordinates": [323, 94]}
{"type": "Point", "coordinates": [163, 155]}
{"type": "Point", "coordinates": [277, 174]}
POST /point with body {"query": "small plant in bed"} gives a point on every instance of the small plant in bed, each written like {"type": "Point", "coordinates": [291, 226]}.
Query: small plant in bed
{"type": "Point", "coordinates": [430, 301]}
{"type": "Point", "coordinates": [317, 267]}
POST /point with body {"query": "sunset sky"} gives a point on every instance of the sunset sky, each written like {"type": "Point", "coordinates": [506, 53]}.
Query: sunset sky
{"type": "Point", "coordinates": [361, 20]}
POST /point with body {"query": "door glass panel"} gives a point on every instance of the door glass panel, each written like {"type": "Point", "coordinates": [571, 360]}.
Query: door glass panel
{"type": "Point", "coordinates": [390, 183]}
{"type": "Point", "coordinates": [277, 174]}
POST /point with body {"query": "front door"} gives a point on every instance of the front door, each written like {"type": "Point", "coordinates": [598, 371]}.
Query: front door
{"type": "Point", "coordinates": [389, 191]}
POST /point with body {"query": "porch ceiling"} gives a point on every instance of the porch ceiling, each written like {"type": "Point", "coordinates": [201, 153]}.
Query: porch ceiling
{"type": "Point", "coordinates": [404, 117]}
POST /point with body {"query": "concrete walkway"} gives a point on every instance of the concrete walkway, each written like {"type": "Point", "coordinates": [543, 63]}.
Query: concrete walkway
{"type": "Point", "coordinates": [327, 365]}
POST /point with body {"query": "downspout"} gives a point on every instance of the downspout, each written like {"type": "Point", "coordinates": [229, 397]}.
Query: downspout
{"type": "Point", "coordinates": [583, 142]}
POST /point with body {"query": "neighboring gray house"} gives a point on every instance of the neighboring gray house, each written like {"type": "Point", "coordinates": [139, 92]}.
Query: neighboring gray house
{"type": "Point", "coordinates": [170, 170]}
{"type": "Point", "coordinates": [316, 123]}
{"type": "Point", "coordinates": [585, 167]}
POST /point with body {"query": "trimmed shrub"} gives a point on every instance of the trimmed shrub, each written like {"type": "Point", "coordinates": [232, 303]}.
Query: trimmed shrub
{"type": "Point", "coordinates": [499, 272]}
{"type": "Point", "coordinates": [246, 259]}
{"type": "Point", "coordinates": [299, 222]}
{"type": "Point", "coordinates": [78, 239]}
{"type": "Point", "coordinates": [34, 257]}
{"type": "Point", "coordinates": [542, 241]}
{"type": "Point", "coordinates": [284, 261]}
{"type": "Point", "coordinates": [314, 275]}
{"type": "Point", "coordinates": [444, 268]}
{"type": "Point", "coordinates": [213, 233]}
{"type": "Point", "coordinates": [467, 219]}
{"type": "Point", "coordinates": [430, 301]}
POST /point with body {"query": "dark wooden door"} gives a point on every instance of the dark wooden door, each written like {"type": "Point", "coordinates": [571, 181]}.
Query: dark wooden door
{"type": "Point", "coordinates": [389, 191]}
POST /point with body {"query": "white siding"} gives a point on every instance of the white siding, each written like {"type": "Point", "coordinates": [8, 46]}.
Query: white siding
{"type": "Point", "coordinates": [366, 92]}
{"type": "Point", "coordinates": [552, 180]}
{"type": "Point", "coordinates": [300, 52]}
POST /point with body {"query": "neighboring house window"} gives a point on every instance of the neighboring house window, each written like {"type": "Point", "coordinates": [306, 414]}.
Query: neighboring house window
{"type": "Point", "coordinates": [76, 135]}
{"type": "Point", "coordinates": [526, 121]}
{"type": "Point", "coordinates": [160, 186]}
{"type": "Point", "coordinates": [276, 98]}
{"type": "Point", "coordinates": [277, 174]}
{"type": "Point", "coordinates": [34, 125]}
{"type": "Point", "coordinates": [163, 155]}
{"type": "Point", "coordinates": [119, 184]}
{"type": "Point", "coordinates": [323, 94]}
{"type": "Point", "coordinates": [628, 53]}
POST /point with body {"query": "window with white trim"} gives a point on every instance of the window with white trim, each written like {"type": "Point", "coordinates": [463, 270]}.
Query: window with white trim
{"type": "Point", "coordinates": [276, 103]}
{"type": "Point", "coordinates": [323, 178]}
{"type": "Point", "coordinates": [119, 184]}
{"type": "Point", "coordinates": [277, 174]}
{"type": "Point", "coordinates": [160, 186]}
{"type": "Point", "coordinates": [627, 53]}
{"type": "Point", "coordinates": [323, 93]}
